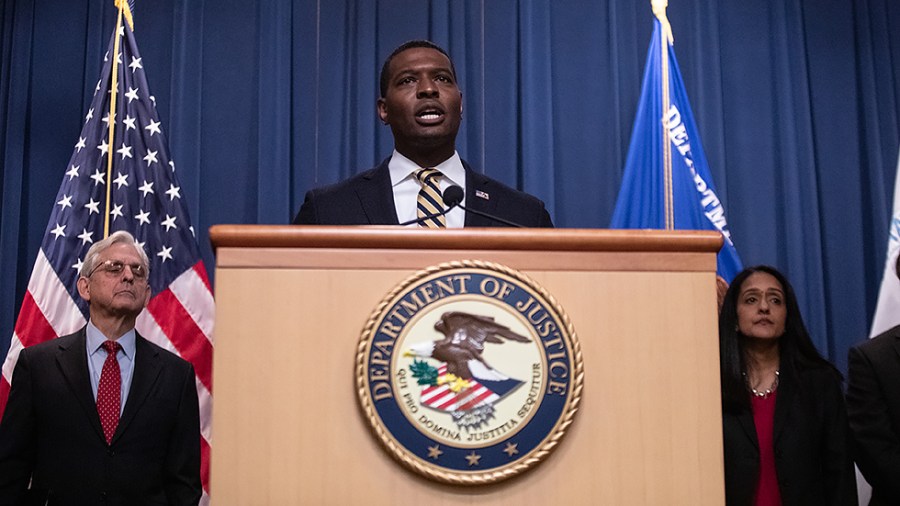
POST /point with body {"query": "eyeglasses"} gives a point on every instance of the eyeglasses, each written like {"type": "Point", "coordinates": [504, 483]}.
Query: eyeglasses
{"type": "Point", "coordinates": [116, 267]}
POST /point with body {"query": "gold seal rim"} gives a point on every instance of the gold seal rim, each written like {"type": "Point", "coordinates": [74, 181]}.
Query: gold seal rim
{"type": "Point", "coordinates": [407, 458]}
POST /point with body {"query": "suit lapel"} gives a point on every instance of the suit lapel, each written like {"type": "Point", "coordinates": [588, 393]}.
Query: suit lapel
{"type": "Point", "coordinates": [784, 400]}
{"type": "Point", "coordinates": [146, 371]}
{"type": "Point", "coordinates": [746, 421]}
{"type": "Point", "coordinates": [897, 343]}
{"type": "Point", "coordinates": [377, 197]}
{"type": "Point", "coordinates": [478, 197]}
{"type": "Point", "coordinates": [71, 356]}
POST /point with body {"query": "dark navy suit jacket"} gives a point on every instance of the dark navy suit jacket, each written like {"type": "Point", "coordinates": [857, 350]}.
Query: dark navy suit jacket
{"type": "Point", "coordinates": [51, 434]}
{"type": "Point", "coordinates": [367, 199]}
{"type": "Point", "coordinates": [873, 403]}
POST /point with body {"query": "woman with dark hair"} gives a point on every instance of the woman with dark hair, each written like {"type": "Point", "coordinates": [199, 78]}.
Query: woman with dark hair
{"type": "Point", "coordinates": [784, 421]}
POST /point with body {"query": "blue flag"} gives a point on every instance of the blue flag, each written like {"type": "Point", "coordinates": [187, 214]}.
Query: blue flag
{"type": "Point", "coordinates": [695, 204]}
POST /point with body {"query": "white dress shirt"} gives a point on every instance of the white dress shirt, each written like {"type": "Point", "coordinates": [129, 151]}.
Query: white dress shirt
{"type": "Point", "coordinates": [406, 187]}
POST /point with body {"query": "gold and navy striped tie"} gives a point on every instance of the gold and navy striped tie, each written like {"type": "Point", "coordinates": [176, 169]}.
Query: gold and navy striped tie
{"type": "Point", "coordinates": [429, 200]}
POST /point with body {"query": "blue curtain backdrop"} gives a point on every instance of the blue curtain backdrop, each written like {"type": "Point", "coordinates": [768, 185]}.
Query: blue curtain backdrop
{"type": "Point", "coordinates": [796, 103]}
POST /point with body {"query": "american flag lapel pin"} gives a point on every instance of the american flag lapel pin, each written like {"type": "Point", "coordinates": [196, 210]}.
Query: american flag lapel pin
{"type": "Point", "coordinates": [482, 195]}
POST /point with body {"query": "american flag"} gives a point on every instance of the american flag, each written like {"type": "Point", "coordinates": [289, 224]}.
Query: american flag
{"type": "Point", "coordinates": [144, 199]}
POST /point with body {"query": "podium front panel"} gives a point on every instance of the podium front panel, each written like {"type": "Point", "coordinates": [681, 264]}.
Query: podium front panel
{"type": "Point", "coordinates": [288, 429]}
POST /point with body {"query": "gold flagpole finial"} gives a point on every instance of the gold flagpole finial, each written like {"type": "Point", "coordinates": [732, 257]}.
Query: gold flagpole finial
{"type": "Point", "coordinates": [126, 11]}
{"type": "Point", "coordinates": [659, 10]}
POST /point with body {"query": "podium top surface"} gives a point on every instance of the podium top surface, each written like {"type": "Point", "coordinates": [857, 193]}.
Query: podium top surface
{"type": "Point", "coordinates": [559, 239]}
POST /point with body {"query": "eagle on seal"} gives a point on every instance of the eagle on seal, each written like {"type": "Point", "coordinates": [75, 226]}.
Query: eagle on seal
{"type": "Point", "coordinates": [463, 344]}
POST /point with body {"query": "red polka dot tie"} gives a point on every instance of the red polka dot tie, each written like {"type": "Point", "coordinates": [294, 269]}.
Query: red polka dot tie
{"type": "Point", "coordinates": [109, 391]}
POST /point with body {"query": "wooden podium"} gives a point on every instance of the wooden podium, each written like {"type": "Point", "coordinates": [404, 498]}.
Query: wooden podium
{"type": "Point", "coordinates": [292, 302]}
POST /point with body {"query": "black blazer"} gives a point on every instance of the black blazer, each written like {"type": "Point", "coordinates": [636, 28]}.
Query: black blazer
{"type": "Point", "coordinates": [367, 199]}
{"type": "Point", "coordinates": [812, 444]}
{"type": "Point", "coordinates": [51, 434]}
{"type": "Point", "coordinates": [873, 404]}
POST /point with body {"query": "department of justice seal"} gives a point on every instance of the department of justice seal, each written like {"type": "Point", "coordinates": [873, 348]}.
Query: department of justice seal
{"type": "Point", "coordinates": [469, 372]}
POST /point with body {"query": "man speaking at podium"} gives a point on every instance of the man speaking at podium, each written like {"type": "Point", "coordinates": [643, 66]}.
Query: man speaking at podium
{"type": "Point", "coordinates": [422, 103]}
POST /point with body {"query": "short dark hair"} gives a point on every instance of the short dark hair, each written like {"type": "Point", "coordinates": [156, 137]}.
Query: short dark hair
{"type": "Point", "coordinates": [410, 45]}
{"type": "Point", "coordinates": [897, 265]}
{"type": "Point", "coordinates": [795, 346]}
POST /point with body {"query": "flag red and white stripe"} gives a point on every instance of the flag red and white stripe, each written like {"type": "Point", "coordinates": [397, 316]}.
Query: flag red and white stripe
{"type": "Point", "coordinates": [443, 398]}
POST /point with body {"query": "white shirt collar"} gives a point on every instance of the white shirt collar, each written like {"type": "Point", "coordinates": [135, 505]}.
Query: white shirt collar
{"type": "Point", "coordinates": [406, 188]}
{"type": "Point", "coordinates": [95, 339]}
{"type": "Point", "coordinates": [452, 168]}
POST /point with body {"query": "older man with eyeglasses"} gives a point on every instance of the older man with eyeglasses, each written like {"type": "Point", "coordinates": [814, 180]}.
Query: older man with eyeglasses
{"type": "Point", "coordinates": [102, 416]}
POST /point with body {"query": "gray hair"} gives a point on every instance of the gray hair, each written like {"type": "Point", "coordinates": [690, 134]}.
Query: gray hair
{"type": "Point", "coordinates": [119, 237]}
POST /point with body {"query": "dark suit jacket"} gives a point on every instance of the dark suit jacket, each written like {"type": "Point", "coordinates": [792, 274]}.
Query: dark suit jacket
{"type": "Point", "coordinates": [51, 434]}
{"type": "Point", "coordinates": [367, 199]}
{"type": "Point", "coordinates": [812, 444]}
{"type": "Point", "coordinates": [873, 403]}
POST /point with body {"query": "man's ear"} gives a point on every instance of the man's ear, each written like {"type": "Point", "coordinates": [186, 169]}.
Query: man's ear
{"type": "Point", "coordinates": [84, 288]}
{"type": "Point", "coordinates": [381, 106]}
{"type": "Point", "coordinates": [147, 296]}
